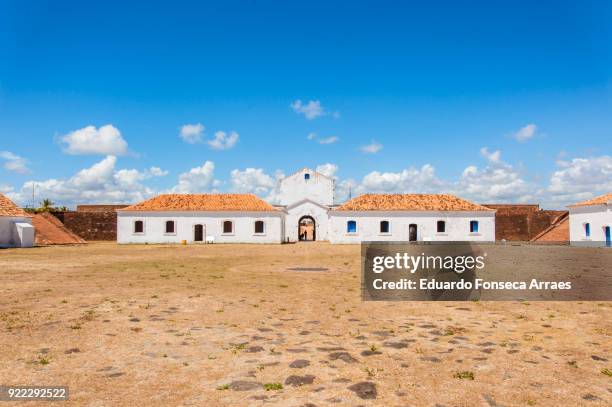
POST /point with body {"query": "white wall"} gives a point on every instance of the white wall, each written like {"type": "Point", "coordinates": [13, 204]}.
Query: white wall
{"type": "Point", "coordinates": [243, 231]}
{"type": "Point", "coordinates": [368, 226]}
{"type": "Point", "coordinates": [13, 236]}
{"type": "Point", "coordinates": [599, 216]}
{"type": "Point", "coordinates": [295, 188]}
{"type": "Point", "coordinates": [306, 208]}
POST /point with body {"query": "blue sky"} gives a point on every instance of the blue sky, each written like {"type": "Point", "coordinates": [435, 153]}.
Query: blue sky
{"type": "Point", "coordinates": [494, 102]}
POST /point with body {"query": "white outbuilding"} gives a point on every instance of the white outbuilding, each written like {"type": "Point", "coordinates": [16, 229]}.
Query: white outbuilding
{"type": "Point", "coordinates": [411, 217]}
{"type": "Point", "coordinates": [200, 218]}
{"type": "Point", "coordinates": [16, 228]}
{"type": "Point", "coordinates": [591, 222]}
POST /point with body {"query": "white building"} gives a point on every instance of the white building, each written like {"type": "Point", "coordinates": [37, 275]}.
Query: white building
{"type": "Point", "coordinates": [591, 221]}
{"type": "Point", "coordinates": [306, 197]}
{"type": "Point", "coordinates": [411, 217]}
{"type": "Point", "coordinates": [16, 228]}
{"type": "Point", "coordinates": [219, 218]}
{"type": "Point", "coordinates": [306, 212]}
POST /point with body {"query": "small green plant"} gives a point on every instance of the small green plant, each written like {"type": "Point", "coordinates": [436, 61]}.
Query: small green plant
{"type": "Point", "coordinates": [607, 372]}
{"type": "Point", "coordinates": [223, 387]}
{"type": "Point", "coordinates": [370, 372]}
{"type": "Point", "coordinates": [572, 363]}
{"type": "Point", "coordinates": [43, 361]}
{"type": "Point", "coordinates": [236, 347]}
{"type": "Point", "coordinates": [272, 386]}
{"type": "Point", "coordinates": [464, 375]}
{"type": "Point", "coordinates": [373, 348]}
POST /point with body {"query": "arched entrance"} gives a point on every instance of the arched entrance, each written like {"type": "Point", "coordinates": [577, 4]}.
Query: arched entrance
{"type": "Point", "coordinates": [307, 229]}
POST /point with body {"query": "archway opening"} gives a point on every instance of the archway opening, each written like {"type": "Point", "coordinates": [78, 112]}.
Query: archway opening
{"type": "Point", "coordinates": [307, 229]}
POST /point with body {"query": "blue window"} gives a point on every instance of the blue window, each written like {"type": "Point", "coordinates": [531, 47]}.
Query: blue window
{"type": "Point", "coordinates": [306, 176]}
{"type": "Point", "coordinates": [384, 226]}
{"type": "Point", "coordinates": [351, 226]}
{"type": "Point", "coordinates": [587, 229]}
{"type": "Point", "coordinates": [473, 226]}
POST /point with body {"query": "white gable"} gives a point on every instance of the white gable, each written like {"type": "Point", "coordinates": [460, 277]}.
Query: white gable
{"type": "Point", "coordinates": [306, 184]}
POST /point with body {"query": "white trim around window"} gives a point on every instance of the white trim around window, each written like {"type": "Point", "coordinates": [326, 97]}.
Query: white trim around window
{"type": "Point", "coordinates": [166, 233]}
{"type": "Point", "coordinates": [223, 227]}
{"type": "Point", "coordinates": [388, 232]}
{"type": "Point", "coordinates": [255, 233]}
{"type": "Point", "coordinates": [356, 232]}
{"type": "Point", "coordinates": [144, 227]}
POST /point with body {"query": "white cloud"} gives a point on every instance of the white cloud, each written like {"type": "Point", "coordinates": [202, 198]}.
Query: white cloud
{"type": "Point", "coordinates": [326, 140]}
{"type": "Point", "coordinates": [580, 179]}
{"type": "Point", "coordinates": [252, 180]}
{"type": "Point", "coordinates": [493, 157]}
{"type": "Point", "coordinates": [409, 180]}
{"type": "Point", "coordinates": [14, 163]}
{"type": "Point", "coordinates": [371, 148]}
{"type": "Point", "coordinates": [256, 181]}
{"type": "Point", "coordinates": [192, 133]}
{"type": "Point", "coordinates": [99, 183]}
{"type": "Point", "coordinates": [310, 110]}
{"type": "Point", "coordinates": [223, 141]}
{"type": "Point", "coordinates": [525, 133]}
{"type": "Point", "coordinates": [106, 140]}
{"type": "Point", "coordinates": [5, 189]}
{"type": "Point", "coordinates": [327, 169]}
{"type": "Point", "coordinates": [197, 180]}
{"type": "Point", "coordinates": [497, 182]}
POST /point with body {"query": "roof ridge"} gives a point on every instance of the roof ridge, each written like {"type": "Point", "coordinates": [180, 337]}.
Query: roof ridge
{"type": "Point", "coordinates": [406, 202]}
{"type": "Point", "coordinates": [598, 200]}
{"type": "Point", "coordinates": [9, 208]}
{"type": "Point", "coordinates": [208, 202]}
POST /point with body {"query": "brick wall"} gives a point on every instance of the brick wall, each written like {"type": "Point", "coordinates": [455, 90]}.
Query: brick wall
{"type": "Point", "coordinates": [99, 208]}
{"type": "Point", "coordinates": [521, 222]}
{"type": "Point", "coordinates": [90, 225]}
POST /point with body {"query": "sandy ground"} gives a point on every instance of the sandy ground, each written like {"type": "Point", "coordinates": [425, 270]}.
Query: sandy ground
{"type": "Point", "coordinates": [216, 325]}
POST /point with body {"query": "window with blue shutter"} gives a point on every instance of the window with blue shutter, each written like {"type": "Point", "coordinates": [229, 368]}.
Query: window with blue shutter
{"type": "Point", "coordinates": [351, 226]}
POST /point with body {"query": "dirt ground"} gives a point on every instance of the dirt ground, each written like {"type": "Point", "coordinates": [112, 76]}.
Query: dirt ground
{"type": "Point", "coordinates": [228, 325]}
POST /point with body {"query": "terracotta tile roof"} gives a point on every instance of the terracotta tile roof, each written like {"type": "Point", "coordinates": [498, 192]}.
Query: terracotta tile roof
{"type": "Point", "coordinates": [49, 230]}
{"type": "Point", "coordinates": [8, 208]}
{"type": "Point", "coordinates": [600, 200]}
{"type": "Point", "coordinates": [203, 202]}
{"type": "Point", "coordinates": [558, 232]}
{"type": "Point", "coordinates": [410, 202]}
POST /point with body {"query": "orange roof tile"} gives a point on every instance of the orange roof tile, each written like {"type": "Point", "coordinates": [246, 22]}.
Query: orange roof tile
{"type": "Point", "coordinates": [600, 200]}
{"type": "Point", "coordinates": [410, 202]}
{"type": "Point", "coordinates": [557, 232]}
{"type": "Point", "coordinates": [8, 208]}
{"type": "Point", "coordinates": [203, 202]}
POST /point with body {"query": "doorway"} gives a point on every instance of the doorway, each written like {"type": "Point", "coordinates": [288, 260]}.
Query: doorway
{"type": "Point", "coordinates": [198, 233]}
{"type": "Point", "coordinates": [307, 229]}
{"type": "Point", "coordinates": [608, 237]}
{"type": "Point", "coordinates": [412, 232]}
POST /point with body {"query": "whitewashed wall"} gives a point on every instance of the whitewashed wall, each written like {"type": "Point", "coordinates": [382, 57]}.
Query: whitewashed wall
{"type": "Point", "coordinates": [10, 236]}
{"type": "Point", "coordinates": [368, 226]}
{"type": "Point", "coordinates": [243, 231]}
{"type": "Point", "coordinates": [598, 216]}
{"type": "Point", "coordinates": [296, 188]}
{"type": "Point", "coordinates": [306, 208]}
